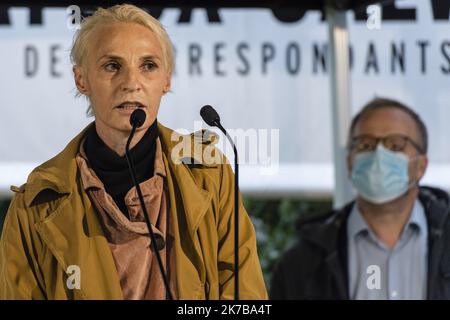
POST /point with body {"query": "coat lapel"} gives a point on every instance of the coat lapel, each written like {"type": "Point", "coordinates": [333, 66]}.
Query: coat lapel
{"type": "Point", "coordinates": [328, 237]}
{"type": "Point", "coordinates": [194, 200]}
{"type": "Point", "coordinates": [188, 205]}
{"type": "Point", "coordinates": [74, 236]}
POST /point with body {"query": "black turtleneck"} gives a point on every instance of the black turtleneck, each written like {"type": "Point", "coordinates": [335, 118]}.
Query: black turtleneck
{"type": "Point", "coordinates": [113, 170]}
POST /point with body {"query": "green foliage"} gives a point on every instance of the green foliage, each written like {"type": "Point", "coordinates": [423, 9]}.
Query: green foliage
{"type": "Point", "coordinates": [275, 224]}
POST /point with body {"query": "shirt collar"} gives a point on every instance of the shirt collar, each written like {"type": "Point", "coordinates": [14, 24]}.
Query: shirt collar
{"type": "Point", "coordinates": [418, 218]}
{"type": "Point", "coordinates": [357, 224]}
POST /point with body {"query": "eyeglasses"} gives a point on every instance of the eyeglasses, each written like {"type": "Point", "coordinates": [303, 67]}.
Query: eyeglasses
{"type": "Point", "coordinates": [393, 142]}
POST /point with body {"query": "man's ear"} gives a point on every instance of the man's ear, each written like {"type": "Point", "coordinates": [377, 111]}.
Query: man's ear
{"type": "Point", "coordinates": [80, 80]}
{"type": "Point", "coordinates": [349, 164]}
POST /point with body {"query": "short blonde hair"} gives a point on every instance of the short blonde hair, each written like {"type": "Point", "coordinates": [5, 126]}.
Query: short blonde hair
{"type": "Point", "coordinates": [125, 13]}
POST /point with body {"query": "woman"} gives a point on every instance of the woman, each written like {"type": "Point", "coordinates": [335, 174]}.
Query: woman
{"type": "Point", "coordinates": [76, 230]}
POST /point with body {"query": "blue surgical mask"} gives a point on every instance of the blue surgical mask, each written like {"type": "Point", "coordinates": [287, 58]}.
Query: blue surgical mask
{"type": "Point", "coordinates": [381, 175]}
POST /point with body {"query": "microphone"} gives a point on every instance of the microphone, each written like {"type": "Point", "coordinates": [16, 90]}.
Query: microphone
{"type": "Point", "coordinates": [211, 117]}
{"type": "Point", "coordinates": [137, 119]}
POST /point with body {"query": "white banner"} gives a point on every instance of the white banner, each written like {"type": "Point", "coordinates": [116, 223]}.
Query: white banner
{"type": "Point", "coordinates": [258, 71]}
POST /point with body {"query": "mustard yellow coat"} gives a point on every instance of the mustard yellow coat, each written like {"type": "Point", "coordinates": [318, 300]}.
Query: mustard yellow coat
{"type": "Point", "coordinates": [52, 225]}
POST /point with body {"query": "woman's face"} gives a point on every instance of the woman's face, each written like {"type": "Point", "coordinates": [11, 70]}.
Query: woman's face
{"type": "Point", "coordinates": [123, 70]}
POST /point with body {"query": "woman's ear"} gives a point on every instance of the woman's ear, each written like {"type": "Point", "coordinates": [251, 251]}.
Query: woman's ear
{"type": "Point", "coordinates": [80, 80]}
{"type": "Point", "coordinates": [166, 87]}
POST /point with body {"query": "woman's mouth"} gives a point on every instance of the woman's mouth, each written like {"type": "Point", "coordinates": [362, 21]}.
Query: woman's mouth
{"type": "Point", "coordinates": [129, 106]}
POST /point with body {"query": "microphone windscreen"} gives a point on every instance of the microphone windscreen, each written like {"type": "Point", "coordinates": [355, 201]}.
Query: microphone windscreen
{"type": "Point", "coordinates": [137, 118]}
{"type": "Point", "coordinates": [209, 115]}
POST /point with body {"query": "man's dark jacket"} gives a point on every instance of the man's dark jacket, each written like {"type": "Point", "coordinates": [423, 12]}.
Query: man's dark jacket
{"type": "Point", "coordinates": [316, 267]}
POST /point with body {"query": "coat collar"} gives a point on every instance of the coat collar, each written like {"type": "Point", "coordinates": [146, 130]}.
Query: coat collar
{"type": "Point", "coordinates": [180, 176]}
{"type": "Point", "coordinates": [324, 230]}
{"type": "Point", "coordinates": [60, 172]}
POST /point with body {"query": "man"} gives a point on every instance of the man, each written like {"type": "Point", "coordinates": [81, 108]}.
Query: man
{"type": "Point", "coordinates": [76, 229]}
{"type": "Point", "coordinates": [393, 241]}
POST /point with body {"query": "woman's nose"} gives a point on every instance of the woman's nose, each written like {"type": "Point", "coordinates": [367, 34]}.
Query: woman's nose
{"type": "Point", "coordinates": [131, 81]}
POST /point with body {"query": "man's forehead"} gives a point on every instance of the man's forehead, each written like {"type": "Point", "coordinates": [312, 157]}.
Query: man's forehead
{"type": "Point", "coordinates": [386, 120]}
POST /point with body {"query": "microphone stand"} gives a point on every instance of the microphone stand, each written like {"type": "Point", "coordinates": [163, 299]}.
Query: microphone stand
{"type": "Point", "coordinates": [212, 118]}
{"type": "Point", "coordinates": [236, 210]}
{"type": "Point", "coordinates": [144, 209]}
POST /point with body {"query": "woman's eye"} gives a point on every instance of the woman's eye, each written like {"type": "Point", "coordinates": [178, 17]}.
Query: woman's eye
{"type": "Point", "coordinates": [149, 66]}
{"type": "Point", "coordinates": [112, 66]}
